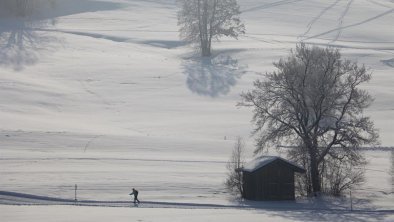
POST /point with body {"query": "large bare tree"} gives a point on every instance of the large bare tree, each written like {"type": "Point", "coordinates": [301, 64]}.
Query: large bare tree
{"type": "Point", "coordinates": [313, 101]}
{"type": "Point", "coordinates": [202, 21]}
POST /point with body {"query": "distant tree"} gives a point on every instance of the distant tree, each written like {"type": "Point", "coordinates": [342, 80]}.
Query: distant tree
{"type": "Point", "coordinates": [313, 101]}
{"type": "Point", "coordinates": [201, 21]}
{"type": "Point", "coordinates": [237, 160]}
{"type": "Point", "coordinates": [24, 8]}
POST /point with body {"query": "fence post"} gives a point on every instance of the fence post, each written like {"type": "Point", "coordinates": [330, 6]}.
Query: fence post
{"type": "Point", "coordinates": [351, 201]}
{"type": "Point", "coordinates": [75, 194]}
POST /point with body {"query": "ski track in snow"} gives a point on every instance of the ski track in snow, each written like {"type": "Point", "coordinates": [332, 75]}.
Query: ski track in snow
{"type": "Point", "coordinates": [101, 98]}
{"type": "Point", "coordinates": [90, 141]}
{"type": "Point", "coordinates": [270, 5]}
{"type": "Point", "coordinates": [89, 34]}
{"type": "Point", "coordinates": [14, 198]}
{"type": "Point", "coordinates": [338, 44]}
{"type": "Point", "coordinates": [314, 20]}
{"type": "Point", "coordinates": [112, 159]}
{"type": "Point", "coordinates": [352, 25]}
{"type": "Point", "coordinates": [379, 3]}
{"type": "Point", "coordinates": [341, 19]}
{"type": "Point", "coordinates": [175, 44]}
{"type": "Point", "coordinates": [119, 39]}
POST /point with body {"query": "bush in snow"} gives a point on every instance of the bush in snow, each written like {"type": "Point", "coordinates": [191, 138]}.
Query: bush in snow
{"type": "Point", "coordinates": [233, 182]}
{"type": "Point", "coordinates": [337, 174]}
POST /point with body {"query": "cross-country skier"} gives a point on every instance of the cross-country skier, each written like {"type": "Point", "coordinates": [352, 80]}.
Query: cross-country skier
{"type": "Point", "coordinates": [135, 193]}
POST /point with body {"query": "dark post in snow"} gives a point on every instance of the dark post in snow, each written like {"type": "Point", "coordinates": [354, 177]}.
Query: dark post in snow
{"type": "Point", "coordinates": [75, 194]}
{"type": "Point", "coordinates": [351, 201]}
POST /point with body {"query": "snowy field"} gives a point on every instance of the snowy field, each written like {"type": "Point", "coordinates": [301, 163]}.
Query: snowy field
{"type": "Point", "coordinates": [103, 94]}
{"type": "Point", "coordinates": [82, 214]}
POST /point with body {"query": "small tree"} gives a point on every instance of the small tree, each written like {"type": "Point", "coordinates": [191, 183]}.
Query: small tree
{"type": "Point", "coordinates": [337, 174]}
{"type": "Point", "coordinates": [341, 175]}
{"type": "Point", "coordinates": [234, 165]}
{"type": "Point", "coordinates": [314, 102]}
{"type": "Point", "coordinates": [201, 21]}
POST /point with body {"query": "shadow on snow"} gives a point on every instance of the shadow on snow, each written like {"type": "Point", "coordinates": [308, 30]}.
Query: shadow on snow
{"type": "Point", "coordinates": [320, 209]}
{"type": "Point", "coordinates": [388, 62]}
{"type": "Point", "coordinates": [22, 42]}
{"type": "Point", "coordinates": [212, 76]}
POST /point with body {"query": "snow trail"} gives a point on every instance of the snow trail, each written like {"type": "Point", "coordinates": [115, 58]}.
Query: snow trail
{"type": "Point", "coordinates": [354, 24]}
{"type": "Point", "coordinates": [14, 198]}
{"type": "Point", "coordinates": [314, 20]}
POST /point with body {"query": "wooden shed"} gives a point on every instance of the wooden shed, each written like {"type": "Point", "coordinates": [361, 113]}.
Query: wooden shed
{"type": "Point", "coordinates": [269, 178]}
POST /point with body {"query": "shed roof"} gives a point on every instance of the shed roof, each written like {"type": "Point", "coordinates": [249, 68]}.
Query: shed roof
{"type": "Point", "coordinates": [263, 161]}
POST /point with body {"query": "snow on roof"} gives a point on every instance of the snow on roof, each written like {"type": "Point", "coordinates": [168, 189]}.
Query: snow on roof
{"type": "Point", "coordinates": [262, 161]}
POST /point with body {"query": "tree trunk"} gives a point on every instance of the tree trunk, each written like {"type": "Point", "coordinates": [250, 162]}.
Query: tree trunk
{"type": "Point", "coordinates": [315, 177]}
{"type": "Point", "coordinates": [205, 46]}
{"type": "Point", "coordinates": [205, 50]}
{"type": "Point", "coordinates": [22, 6]}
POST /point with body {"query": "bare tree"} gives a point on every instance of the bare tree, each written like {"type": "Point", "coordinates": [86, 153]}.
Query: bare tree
{"type": "Point", "coordinates": [237, 160]}
{"type": "Point", "coordinates": [201, 21]}
{"type": "Point", "coordinates": [23, 8]}
{"type": "Point", "coordinates": [339, 175]}
{"type": "Point", "coordinates": [314, 102]}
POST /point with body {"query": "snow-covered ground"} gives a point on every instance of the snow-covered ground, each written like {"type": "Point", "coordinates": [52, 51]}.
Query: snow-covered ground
{"type": "Point", "coordinates": [71, 213]}
{"type": "Point", "coordinates": [103, 94]}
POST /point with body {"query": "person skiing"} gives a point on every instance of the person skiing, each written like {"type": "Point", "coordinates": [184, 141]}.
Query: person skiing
{"type": "Point", "coordinates": [135, 193]}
